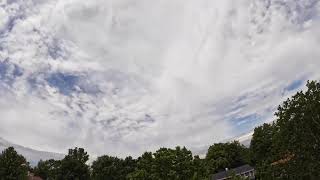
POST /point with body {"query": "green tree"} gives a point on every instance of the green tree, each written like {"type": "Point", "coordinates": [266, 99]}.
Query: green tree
{"type": "Point", "coordinates": [262, 146]}
{"type": "Point", "coordinates": [173, 163]}
{"type": "Point", "coordinates": [165, 163]}
{"type": "Point", "coordinates": [226, 155]}
{"type": "Point", "coordinates": [183, 163]}
{"type": "Point", "coordinates": [47, 169]}
{"type": "Point", "coordinates": [199, 168]}
{"type": "Point", "coordinates": [289, 148]}
{"type": "Point", "coordinates": [13, 165]}
{"type": "Point", "coordinates": [298, 136]}
{"type": "Point", "coordinates": [128, 166]}
{"type": "Point", "coordinates": [262, 149]}
{"type": "Point", "coordinates": [112, 168]}
{"type": "Point", "coordinates": [144, 169]}
{"type": "Point", "coordinates": [73, 166]}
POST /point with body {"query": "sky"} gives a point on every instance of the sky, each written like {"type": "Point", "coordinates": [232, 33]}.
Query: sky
{"type": "Point", "coordinates": [121, 77]}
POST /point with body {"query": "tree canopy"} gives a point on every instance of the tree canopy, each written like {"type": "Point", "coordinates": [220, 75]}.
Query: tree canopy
{"type": "Point", "coordinates": [112, 168]}
{"type": "Point", "coordinates": [73, 166]}
{"type": "Point", "coordinates": [47, 169]}
{"type": "Point", "coordinates": [226, 155]}
{"type": "Point", "coordinates": [290, 147]}
{"type": "Point", "coordinates": [12, 165]}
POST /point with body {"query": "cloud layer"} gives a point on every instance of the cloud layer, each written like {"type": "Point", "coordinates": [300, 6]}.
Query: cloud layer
{"type": "Point", "coordinates": [124, 76]}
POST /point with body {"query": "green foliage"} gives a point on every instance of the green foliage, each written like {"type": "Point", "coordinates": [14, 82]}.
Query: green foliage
{"type": "Point", "coordinates": [199, 168]}
{"type": "Point", "coordinates": [299, 131]}
{"type": "Point", "coordinates": [289, 149]}
{"type": "Point", "coordinates": [73, 166]}
{"type": "Point", "coordinates": [261, 146]}
{"type": "Point", "coordinates": [165, 163]}
{"type": "Point", "coordinates": [47, 169]}
{"type": "Point", "coordinates": [144, 169]}
{"type": "Point", "coordinates": [173, 163]}
{"type": "Point", "coordinates": [112, 168]}
{"type": "Point", "coordinates": [226, 155]}
{"type": "Point", "coordinates": [128, 166]}
{"type": "Point", "coordinates": [12, 165]}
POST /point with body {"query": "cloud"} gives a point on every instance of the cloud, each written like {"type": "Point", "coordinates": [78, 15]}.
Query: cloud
{"type": "Point", "coordinates": [123, 76]}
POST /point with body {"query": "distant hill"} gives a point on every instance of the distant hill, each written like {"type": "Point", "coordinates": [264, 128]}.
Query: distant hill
{"type": "Point", "coordinates": [244, 139]}
{"type": "Point", "coordinates": [32, 156]}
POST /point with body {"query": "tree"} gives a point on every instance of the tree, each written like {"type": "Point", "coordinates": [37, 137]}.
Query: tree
{"type": "Point", "coordinates": [262, 149]}
{"type": "Point", "coordinates": [47, 169]}
{"type": "Point", "coordinates": [73, 166]}
{"type": "Point", "coordinates": [13, 165]}
{"type": "Point", "coordinates": [226, 155]}
{"type": "Point", "coordinates": [112, 168]}
{"type": "Point", "coordinates": [173, 163]}
{"type": "Point", "coordinates": [298, 136]}
{"type": "Point", "coordinates": [128, 166]}
{"type": "Point", "coordinates": [261, 146]}
{"type": "Point", "coordinates": [165, 163]}
{"type": "Point", "coordinates": [289, 148]}
{"type": "Point", "coordinates": [183, 163]}
{"type": "Point", "coordinates": [144, 168]}
{"type": "Point", "coordinates": [199, 168]}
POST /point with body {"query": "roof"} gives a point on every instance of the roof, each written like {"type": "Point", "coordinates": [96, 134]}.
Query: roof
{"type": "Point", "coordinates": [238, 170]}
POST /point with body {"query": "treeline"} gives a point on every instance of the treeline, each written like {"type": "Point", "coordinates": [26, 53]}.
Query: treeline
{"type": "Point", "coordinates": [288, 148]}
{"type": "Point", "coordinates": [165, 163]}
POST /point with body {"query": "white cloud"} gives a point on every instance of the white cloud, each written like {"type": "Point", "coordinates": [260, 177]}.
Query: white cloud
{"type": "Point", "coordinates": [124, 76]}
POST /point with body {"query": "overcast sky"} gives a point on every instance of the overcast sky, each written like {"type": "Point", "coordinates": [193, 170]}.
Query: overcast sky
{"type": "Point", "coordinates": [120, 77]}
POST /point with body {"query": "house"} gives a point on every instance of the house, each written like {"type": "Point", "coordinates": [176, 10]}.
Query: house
{"type": "Point", "coordinates": [245, 171]}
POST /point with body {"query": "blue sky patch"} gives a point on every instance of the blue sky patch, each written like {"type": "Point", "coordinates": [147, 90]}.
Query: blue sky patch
{"type": "Point", "coordinates": [9, 72]}
{"type": "Point", "coordinates": [65, 83]}
{"type": "Point", "coordinates": [69, 83]}
{"type": "Point", "coordinates": [294, 85]}
{"type": "Point", "coordinates": [242, 124]}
